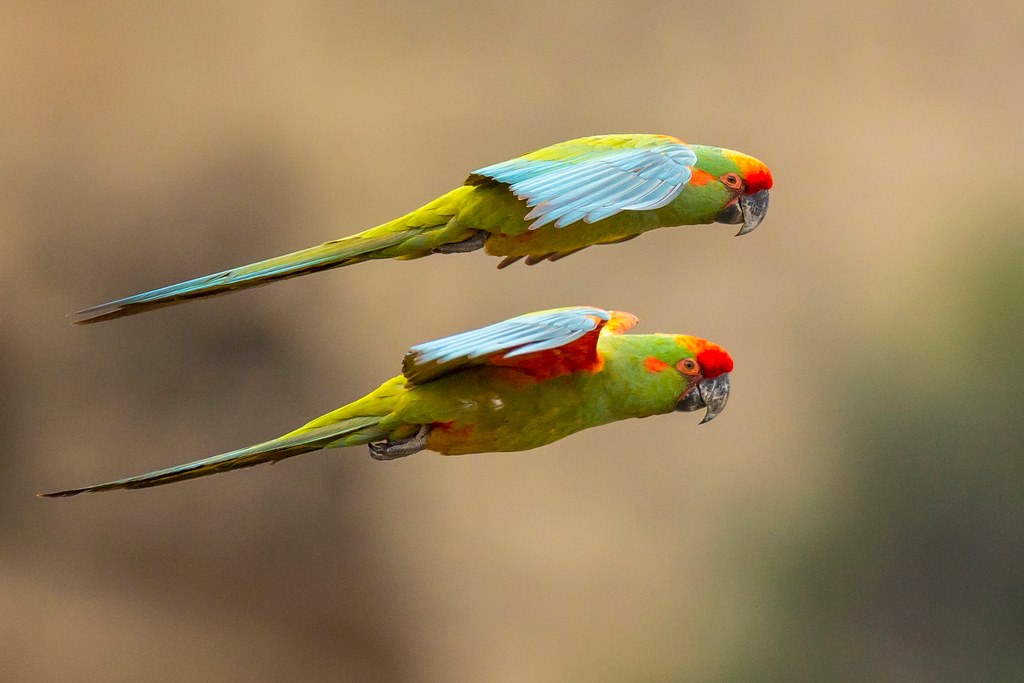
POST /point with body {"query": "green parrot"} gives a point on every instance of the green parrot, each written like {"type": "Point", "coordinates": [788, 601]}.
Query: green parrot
{"type": "Point", "coordinates": [512, 386]}
{"type": "Point", "coordinates": [541, 206]}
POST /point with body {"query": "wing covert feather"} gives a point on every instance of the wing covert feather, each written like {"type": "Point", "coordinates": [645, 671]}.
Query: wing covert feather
{"type": "Point", "coordinates": [596, 177]}
{"type": "Point", "coordinates": [502, 343]}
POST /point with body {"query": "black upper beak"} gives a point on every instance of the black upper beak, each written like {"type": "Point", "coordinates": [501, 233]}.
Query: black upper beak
{"type": "Point", "coordinates": [712, 394]}
{"type": "Point", "coordinates": [749, 210]}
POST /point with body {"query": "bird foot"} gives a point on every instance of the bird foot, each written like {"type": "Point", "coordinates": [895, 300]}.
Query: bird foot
{"type": "Point", "coordinates": [390, 450]}
{"type": "Point", "coordinates": [472, 243]}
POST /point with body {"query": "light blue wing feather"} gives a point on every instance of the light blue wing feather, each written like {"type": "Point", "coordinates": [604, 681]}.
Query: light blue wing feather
{"type": "Point", "coordinates": [592, 178]}
{"type": "Point", "coordinates": [517, 336]}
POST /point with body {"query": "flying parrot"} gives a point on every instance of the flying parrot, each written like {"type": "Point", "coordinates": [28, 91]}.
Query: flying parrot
{"type": "Point", "coordinates": [541, 206]}
{"type": "Point", "coordinates": [511, 386]}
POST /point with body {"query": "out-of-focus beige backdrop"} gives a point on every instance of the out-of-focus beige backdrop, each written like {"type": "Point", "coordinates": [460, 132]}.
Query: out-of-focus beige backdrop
{"type": "Point", "coordinates": [856, 514]}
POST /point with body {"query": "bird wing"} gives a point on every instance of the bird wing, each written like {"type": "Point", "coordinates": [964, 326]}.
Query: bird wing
{"type": "Point", "coordinates": [544, 344]}
{"type": "Point", "coordinates": [595, 177]}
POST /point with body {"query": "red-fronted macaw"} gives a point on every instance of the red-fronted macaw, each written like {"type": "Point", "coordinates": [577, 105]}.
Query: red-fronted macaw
{"type": "Point", "coordinates": [541, 206]}
{"type": "Point", "coordinates": [511, 386]}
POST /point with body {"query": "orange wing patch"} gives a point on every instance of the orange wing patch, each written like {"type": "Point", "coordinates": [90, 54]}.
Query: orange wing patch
{"type": "Point", "coordinates": [621, 322]}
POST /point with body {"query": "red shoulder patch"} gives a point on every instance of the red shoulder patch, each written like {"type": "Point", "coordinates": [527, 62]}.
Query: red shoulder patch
{"type": "Point", "coordinates": [577, 356]}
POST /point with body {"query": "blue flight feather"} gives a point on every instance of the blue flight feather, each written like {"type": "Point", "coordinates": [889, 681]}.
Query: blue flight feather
{"type": "Point", "coordinates": [517, 336]}
{"type": "Point", "coordinates": [592, 180]}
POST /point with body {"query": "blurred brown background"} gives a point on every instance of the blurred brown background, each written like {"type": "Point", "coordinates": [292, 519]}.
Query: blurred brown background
{"type": "Point", "coordinates": [856, 514]}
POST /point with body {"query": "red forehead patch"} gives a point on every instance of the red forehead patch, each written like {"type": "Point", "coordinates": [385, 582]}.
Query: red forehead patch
{"type": "Point", "coordinates": [758, 178]}
{"type": "Point", "coordinates": [756, 174]}
{"type": "Point", "coordinates": [714, 361]}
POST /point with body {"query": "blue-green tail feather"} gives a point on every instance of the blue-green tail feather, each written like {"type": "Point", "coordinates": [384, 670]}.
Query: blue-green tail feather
{"type": "Point", "coordinates": [353, 431]}
{"type": "Point", "coordinates": [341, 252]}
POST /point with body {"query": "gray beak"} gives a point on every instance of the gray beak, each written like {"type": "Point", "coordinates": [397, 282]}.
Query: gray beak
{"type": "Point", "coordinates": [754, 207]}
{"type": "Point", "coordinates": [712, 394]}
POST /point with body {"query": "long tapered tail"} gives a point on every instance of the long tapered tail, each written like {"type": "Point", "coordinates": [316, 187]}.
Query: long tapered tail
{"type": "Point", "coordinates": [341, 252]}
{"type": "Point", "coordinates": [411, 236]}
{"type": "Point", "coordinates": [353, 431]}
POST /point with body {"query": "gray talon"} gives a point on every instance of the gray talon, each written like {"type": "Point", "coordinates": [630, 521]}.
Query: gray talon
{"type": "Point", "coordinates": [476, 241]}
{"type": "Point", "coordinates": [390, 450]}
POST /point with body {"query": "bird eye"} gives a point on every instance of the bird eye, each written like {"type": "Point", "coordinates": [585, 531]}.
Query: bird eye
{"type": "Point", "coordinates": [732, 180]}
{"type": "Point", "coordinates": [688, 365]}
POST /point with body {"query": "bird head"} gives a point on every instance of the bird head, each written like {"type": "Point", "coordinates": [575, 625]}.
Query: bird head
{"type": "Point", "coordinates": [733, 185]}
{"type": "Point", "coordinates": [705, 367]}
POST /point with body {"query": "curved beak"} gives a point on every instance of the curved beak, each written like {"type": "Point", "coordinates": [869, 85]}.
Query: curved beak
{"type": "Point", "coordinates": [754, 208]}
{"type": "Point", "coordinates": [749, 210]}
{"type": "Point", "coordinates": [712, 394]}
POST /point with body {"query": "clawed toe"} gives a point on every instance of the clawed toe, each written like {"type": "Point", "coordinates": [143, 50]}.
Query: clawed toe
{"type": "Point", "coordinates": [476, 241]}
{"type": "Point", "coordinates": [390, 450]}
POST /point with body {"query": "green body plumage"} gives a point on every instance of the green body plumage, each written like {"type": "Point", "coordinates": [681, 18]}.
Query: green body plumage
{"type": "Point", "coordinates": [490, 409]}
{"type": "Point", "coordinates": [501, 402]}
{"type": "Point", "coordinates": [588, 184]}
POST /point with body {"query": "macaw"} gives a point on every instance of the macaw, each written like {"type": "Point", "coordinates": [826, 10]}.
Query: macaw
{"type": "Point", "coordinates": [544, 205]}
{"type": "Point", "coordinates": [511, 386]}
